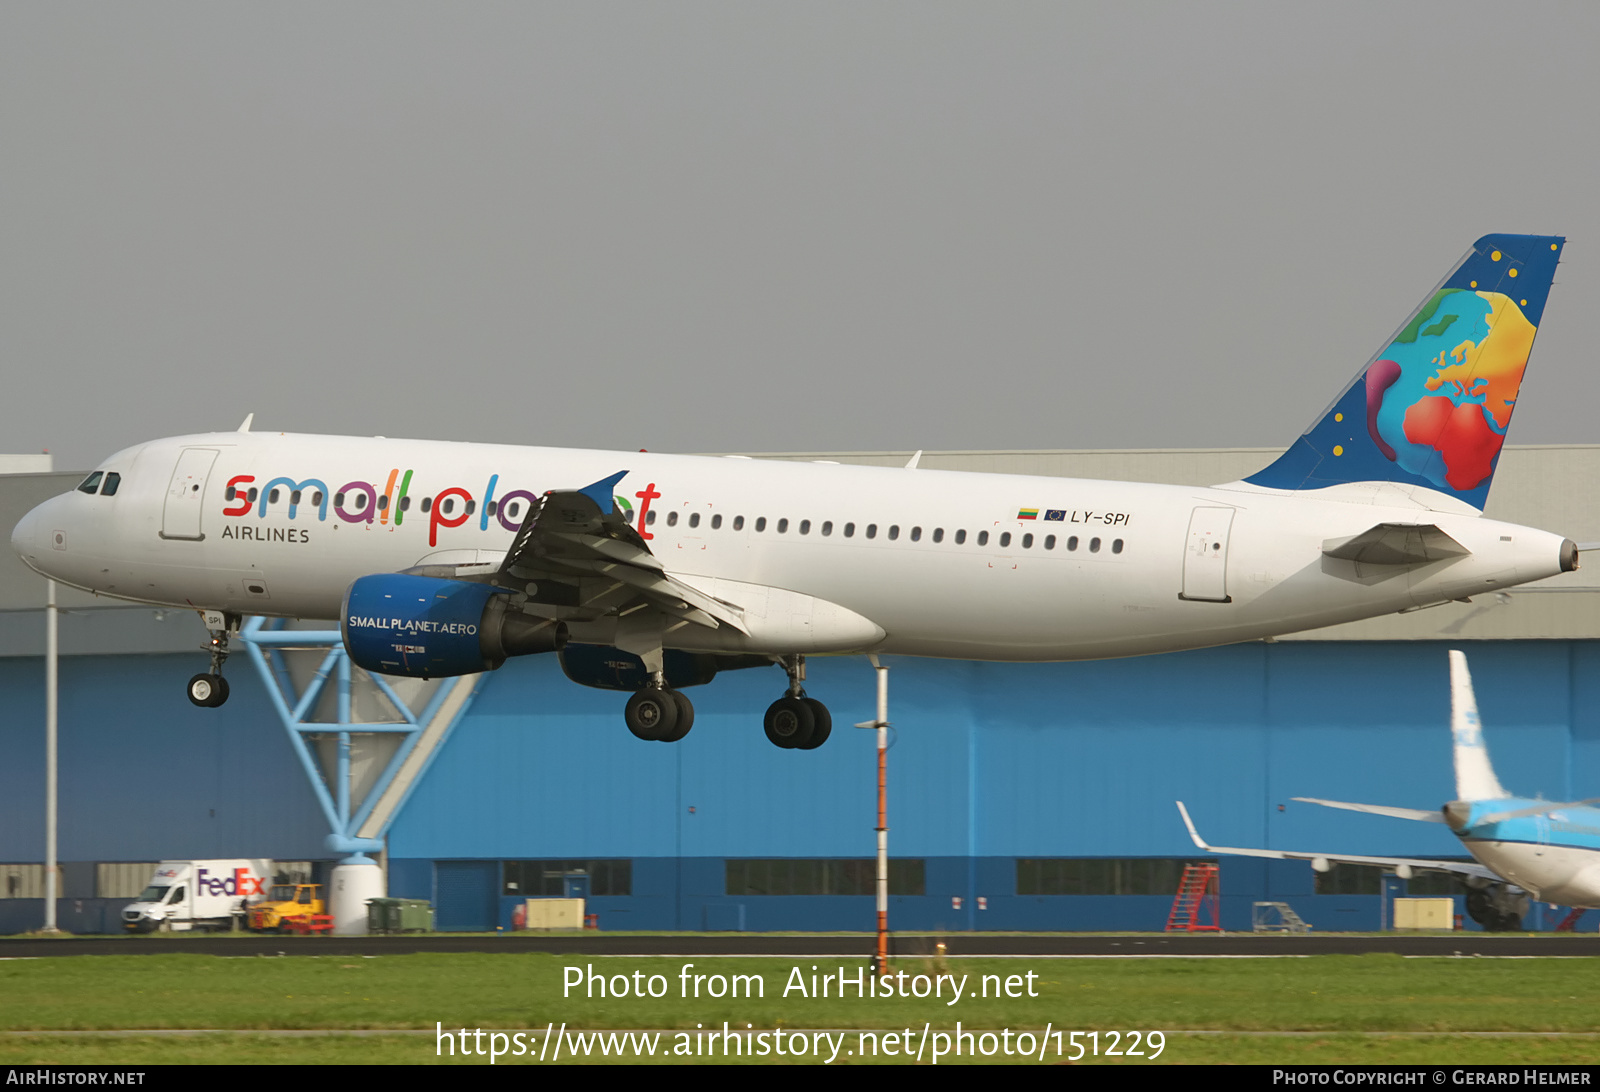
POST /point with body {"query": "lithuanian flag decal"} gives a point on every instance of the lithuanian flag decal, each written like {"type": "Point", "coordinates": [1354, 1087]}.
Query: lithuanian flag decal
{"type": "Point", "coordinates": [1028, 513]}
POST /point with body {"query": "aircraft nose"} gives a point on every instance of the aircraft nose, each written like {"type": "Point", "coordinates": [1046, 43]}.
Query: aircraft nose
{"type": "Point", "coordinates": [33, 538]}
{"type": "Point", "coordinates": [24, 533]}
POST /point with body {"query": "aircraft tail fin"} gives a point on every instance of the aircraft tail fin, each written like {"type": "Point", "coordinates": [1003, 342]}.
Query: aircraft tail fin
{"type": "Point", "coordinates": [1475, 779]}
{"type": "Point", "coordinates": [1430, 410]}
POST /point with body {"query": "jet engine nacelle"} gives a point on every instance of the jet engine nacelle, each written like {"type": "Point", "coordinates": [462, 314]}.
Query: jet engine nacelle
{"type": "Point", "coordinates": [428, 628]}
{"type": "Point", "coordinates": [607, 668]}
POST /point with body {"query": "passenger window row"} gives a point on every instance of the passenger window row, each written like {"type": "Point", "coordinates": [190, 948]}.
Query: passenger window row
{"type": "Point", "coordinates": [892, 532]}
{"type": "Point", "coordinates": [804, 527]}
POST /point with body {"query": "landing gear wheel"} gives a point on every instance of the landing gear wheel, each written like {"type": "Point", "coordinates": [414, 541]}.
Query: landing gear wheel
{"type": "Point", "coordinates": [208, 691]}
{"type": "Point", "coordinates": [822, 725]}
{"type": "Point", "coordinates": [685, 718]}
{"type": "Point", "coordinates": [790, 722]}
{"type": "Point", "coordinates": [651, 714]}
{"type": "Point", "coordinates": [1478, 907]}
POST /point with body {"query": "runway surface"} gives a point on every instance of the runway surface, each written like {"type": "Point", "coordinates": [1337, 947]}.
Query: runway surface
{"type": "Point", "coordinates": [849, 946]}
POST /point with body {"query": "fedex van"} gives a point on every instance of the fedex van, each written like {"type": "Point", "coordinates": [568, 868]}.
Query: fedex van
{"type": "Point", "coordinates": [202, 895]}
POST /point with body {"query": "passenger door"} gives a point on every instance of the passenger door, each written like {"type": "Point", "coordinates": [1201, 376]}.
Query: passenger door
{"type": "Point", "coordinates": [180, 518]}
{"type": "Point", "coordinates": [1205, 556]}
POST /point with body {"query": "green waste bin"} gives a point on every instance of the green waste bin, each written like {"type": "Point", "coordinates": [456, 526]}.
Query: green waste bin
{"type": "Point", "coordinates": [414, 916]}
{"type": "Point", "coordinates": [383, 915]}
{"type": "Point", "coordinates": [399, 916]}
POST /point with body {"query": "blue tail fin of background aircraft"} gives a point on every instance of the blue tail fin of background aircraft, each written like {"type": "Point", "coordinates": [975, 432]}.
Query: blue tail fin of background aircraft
{"type": "Point", "coordinates": [1432, 407]}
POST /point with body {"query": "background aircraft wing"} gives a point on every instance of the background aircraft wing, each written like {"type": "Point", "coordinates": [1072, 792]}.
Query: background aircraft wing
{"type": "Point", "coordinates": [1320, 861]}
{"type": "Point", "coordinates": [1379, 809]}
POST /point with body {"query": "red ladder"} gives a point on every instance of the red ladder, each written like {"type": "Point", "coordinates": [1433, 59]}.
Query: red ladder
{"type": "Point", "coordinates": [1569, 924]}
{"type": "Point", "coordinates": [1200, 887]}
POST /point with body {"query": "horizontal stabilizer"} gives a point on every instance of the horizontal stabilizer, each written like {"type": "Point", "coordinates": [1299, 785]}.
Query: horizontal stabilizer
{"type": "Point", "coordinates": [1322, 861]}
{"type": "Point", "coordinates": [1379, 809]}
{"type": "Point", "coordinates": [1396, 544]}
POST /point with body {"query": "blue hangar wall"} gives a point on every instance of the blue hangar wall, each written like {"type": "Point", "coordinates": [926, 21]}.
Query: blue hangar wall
{"type": "Point", "coordinates": [991, 764]}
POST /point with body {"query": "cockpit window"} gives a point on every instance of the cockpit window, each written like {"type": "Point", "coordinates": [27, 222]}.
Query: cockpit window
{"type": "Point", "coordinates": [91, 484]}
{"type": "Point", "coordinates": [110, 488]}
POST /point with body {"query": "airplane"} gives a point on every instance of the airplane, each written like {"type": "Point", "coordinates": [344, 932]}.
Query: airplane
{"type": "Point", "coordinates": [447, 558]}
{"type": "Point", "coordinates": [1523, 847]}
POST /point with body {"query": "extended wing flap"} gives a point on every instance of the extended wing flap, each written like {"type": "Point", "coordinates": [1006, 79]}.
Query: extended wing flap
{"type": "Point", "coordinates": [1396, 544]}
{"type": "Point", "coordinates": [666, 591]}
{"type": "Point", "coordinates": [617, 550]}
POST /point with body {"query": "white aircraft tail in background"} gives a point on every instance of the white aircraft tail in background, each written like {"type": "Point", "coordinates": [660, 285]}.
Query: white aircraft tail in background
{"type": "Point", "coordinates": [1522, 846]}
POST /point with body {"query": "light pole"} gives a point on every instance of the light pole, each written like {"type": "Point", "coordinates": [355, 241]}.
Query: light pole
{"type": "Point", "coordinates": [881, 960]}
{"type": "Point", "coordinates": [50, 663]}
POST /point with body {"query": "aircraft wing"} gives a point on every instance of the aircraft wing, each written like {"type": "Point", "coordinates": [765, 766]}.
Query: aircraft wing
{"type": "Point", "coordinates": [580, 534]}
{"type": "Point", "coordinates": [1396, 544]}
{"type": "Point", "coordinates": [1379, 809]}
{"type": "Point", "coordinates": [575, 550]}
{"type": "Point", "coordinates": [1321, 861]}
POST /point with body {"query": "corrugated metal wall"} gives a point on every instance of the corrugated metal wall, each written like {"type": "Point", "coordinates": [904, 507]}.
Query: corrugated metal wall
{"type": "Point", "coordinates": [1012, 759]}
{"type": "Point", "coordinates": [995, 762]}
{"type": "Point", "coordinates": [146, 776]}
{"type": "Point", "coordinates": [991, 762]}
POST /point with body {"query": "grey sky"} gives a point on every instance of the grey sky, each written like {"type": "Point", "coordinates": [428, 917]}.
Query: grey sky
{"type": "Point", "coordinates": [757, 226]}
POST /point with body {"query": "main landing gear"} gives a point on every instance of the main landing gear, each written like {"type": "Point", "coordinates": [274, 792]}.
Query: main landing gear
{"type": "Point", "coordinates": [658, 714]}
{"type": "Point", "coordinates": [795, 721]}
{"type": "Point", "coordinates": [1496, 909]}
{"type": "Point", "coordinates": [211, 689]}
{"type": "Point", "coordinates": [663, 715]}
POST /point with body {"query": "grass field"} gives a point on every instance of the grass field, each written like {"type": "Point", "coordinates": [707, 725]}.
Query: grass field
{"type": "Point", "coordinates": [1372, 1008]}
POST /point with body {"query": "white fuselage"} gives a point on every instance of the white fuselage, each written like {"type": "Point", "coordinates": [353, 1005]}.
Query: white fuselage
{"type": "Point", "coordinates": [1563, 875]}
{"type": "Point", "coordinates": [1133, 568]}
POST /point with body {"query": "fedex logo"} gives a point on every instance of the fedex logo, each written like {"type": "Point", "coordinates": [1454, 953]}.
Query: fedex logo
{"type": "Point", "coordinates": [239, 883]}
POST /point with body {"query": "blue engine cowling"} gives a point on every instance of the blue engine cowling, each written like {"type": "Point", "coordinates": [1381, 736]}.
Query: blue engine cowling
{"type": "Point", "coordinates": [428, 628]}
{"type": "Point", "coordinates": [607, 668]}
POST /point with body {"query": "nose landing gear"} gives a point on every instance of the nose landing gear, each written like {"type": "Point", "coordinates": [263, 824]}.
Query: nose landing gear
{"type": "Point", "coordinates": [210, 690]}
{"type": "Point", "coordinates": [795, 721]}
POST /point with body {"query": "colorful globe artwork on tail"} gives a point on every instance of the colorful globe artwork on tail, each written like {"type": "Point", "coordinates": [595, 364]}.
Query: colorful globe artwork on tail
{"type": "Point", "coordinates": [1430, 411]}
{"type": "Point", "coordinates": [1441, 396]}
